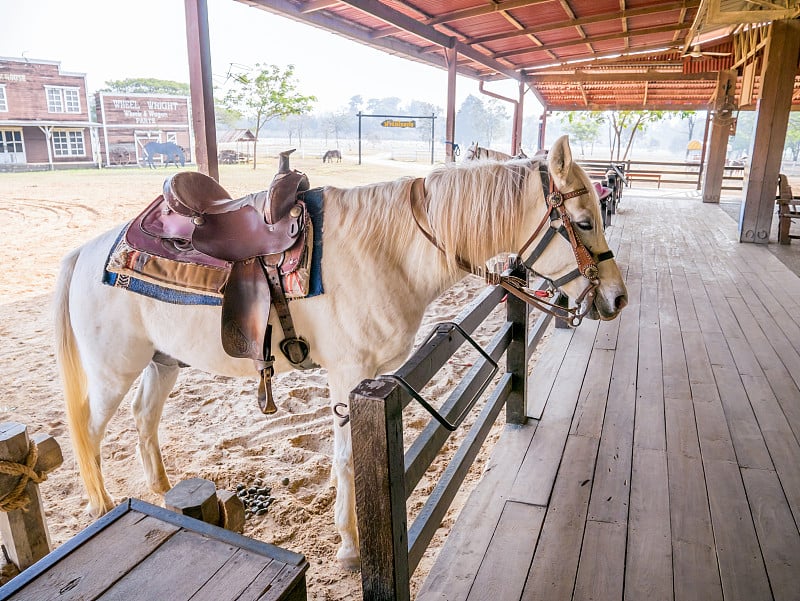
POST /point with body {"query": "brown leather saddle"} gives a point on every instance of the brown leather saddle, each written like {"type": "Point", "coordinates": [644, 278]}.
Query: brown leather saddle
{"type": "Point", "coordinates": [258, 238]}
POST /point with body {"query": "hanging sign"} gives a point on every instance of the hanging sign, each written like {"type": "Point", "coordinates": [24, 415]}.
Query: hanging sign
{"type": "Point", "coordinates": [396, 123]}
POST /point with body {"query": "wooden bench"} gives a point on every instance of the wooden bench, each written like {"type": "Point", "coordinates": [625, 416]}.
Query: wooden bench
{"type": "Point", "coordinates": [788, 210]}
{"type": "Point", "coordinates": [643, 176]}
{"type": "Point", "coordinates": [386, 476]}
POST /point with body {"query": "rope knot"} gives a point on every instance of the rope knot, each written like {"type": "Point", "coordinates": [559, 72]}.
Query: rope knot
{"type": "Point", "coordinates": [17, 498]}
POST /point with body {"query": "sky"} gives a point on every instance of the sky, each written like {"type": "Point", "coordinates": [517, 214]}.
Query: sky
{"type": "Point", "coordinates": [111, 40]}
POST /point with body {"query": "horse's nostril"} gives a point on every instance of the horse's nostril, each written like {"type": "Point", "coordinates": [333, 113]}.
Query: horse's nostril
{"type": "Point", "coordinates": [620, 302]}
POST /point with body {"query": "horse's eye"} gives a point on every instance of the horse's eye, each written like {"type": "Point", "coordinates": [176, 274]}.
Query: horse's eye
{"type": "Point", "coordinates": [585, 225]}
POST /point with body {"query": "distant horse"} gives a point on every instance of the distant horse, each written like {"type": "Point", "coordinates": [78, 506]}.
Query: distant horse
{"type": "Point", "coordinates": [170, 150]}
{"type": "Point", "coordinates": [390, 250]}
{"type": "Point", "coordinates": [330, 155]}
{"type": "Point", "coordinates": [476, 152]}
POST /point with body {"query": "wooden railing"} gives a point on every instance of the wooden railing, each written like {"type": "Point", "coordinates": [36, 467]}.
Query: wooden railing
{"type": "Point", "coordinates": [386, 476]}
{"type": "Point", "coordinates": [666, 172]}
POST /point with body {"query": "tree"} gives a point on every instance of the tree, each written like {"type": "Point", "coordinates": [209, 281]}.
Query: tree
{"type": "Point", "coordinates": [622, 123]}
{"type": "Point", "coordinates": [583, 127]}
{"type": "Point", "coordinates": [335, 123]}
{"type": "Point", "coordinates": [479, 122]}
{"type": "Point", "coordinates": [265, 93]}
{"type": "Point", "coordinates": [793, 136]}
{"type": "Point", "coordinates": [144, 85]}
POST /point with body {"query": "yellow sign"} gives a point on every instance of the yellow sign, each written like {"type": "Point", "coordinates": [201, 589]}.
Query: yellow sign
{"type": "Point", "coordinates": [394, 123]}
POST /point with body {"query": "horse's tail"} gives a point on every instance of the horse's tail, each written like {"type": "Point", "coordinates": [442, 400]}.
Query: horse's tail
{"type": "Point", "coordinates": [74, 382]}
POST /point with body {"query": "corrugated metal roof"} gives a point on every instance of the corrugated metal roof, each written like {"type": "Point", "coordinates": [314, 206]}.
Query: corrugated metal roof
{"type": "Point", "coordinates": [570, 52]}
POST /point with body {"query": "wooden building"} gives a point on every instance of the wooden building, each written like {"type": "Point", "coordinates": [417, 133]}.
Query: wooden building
{"type": "Point", "coordinates": [44, 117]}
{"type": "Point", "coordinates": [129, 121]}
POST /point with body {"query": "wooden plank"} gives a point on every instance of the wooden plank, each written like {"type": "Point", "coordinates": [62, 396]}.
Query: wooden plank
{"type": "Point", "coordinates": [741, 566]}
{"type": "Point", "coordinates": [602, 562]}
{"type": "Point", "coordinates": [542, 461]}
{"type": "Point", "coordinates": [184, 576]}
{"type": "Point", "coordinates": [544, 373]}
{"type": "Point", "coordinates": [237, 576]}
{"type": "Point", "coordinates": [555, 564]}
{"type": "Point", "coordinates": [696, 575]}
{"type": "Point", "coordinates": [288, 585]}
{"type": "Point", "coordinates": [262, 582]}
{"type": "Point", "coordinates": [681, 427]}
{"type": "Point", "coordinates": [458, 562]}
{"type": "Point", "coordinates": [505, 566]}
{"type": "Point", "coordinates": [783, 447]}
{"type": "Point", "coordinates": [94, 566]}
{"type": "Point", "coordinates": [674, 371]}
{"type": "Point", "coordinates": [778, 535]}
{"type": "Point", "coordinates": [611, 486]}
{"type": "Point", "coordinates": [748, 441]}
{"type": "Point", "coordinates": [588, 418]}
{"type": "Point", "coordinates": [648, 564]}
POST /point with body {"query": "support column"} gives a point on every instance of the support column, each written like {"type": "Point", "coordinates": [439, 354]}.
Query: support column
{"type": "Point", "coordinates": [542, 129]}
{"type": "Point", "coordinates": [451, 55]}
{"type": "Point", "coordinates": [720, 131]}
{"type": "Point", "coordinates": [516, 134]}
{"type": "Point", "coordinates": [202, 88]}
{"type": "Point", "coordinates": [772, 119]}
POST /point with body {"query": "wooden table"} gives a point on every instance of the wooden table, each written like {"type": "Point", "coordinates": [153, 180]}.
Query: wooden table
{"type": "Point", "coordinates": [142, 552]}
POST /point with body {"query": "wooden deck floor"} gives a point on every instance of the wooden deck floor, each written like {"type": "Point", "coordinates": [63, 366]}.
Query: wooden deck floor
{"type": "Point", "coordinates": [665, 464]}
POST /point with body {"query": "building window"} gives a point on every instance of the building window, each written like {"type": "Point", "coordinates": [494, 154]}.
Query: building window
{"type": "Point", "coordinates": [3, 101]}
{"type": "Point", "coordinates": [68, 143]}
{"type": "Point", "coordinates": [10, 141]}
{"type": "Point", "coordinates": [63, 100]}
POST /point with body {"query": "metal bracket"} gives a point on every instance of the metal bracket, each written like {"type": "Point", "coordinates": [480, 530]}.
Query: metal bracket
{"type": "Point", "coordinates": [428, 407]}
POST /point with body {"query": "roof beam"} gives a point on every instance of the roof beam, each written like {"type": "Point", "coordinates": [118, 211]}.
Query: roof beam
{"type": "Point", "coordinates": [599, 38]}
{"type": "Point", "coordinates": [398, 19]}
{"type": "Point", "coordinates": [626, 14]}
{"type": "Point", "coordinates": [327, 22]}
{"type": "Point", "coordinates": [583, 77]}
{"type": "Point", "coordinates": [478, 11]}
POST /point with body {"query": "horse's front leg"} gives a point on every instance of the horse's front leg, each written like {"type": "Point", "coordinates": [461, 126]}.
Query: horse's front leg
{"type": "Point", "coordinates": [341, 382]}
{"type": "Point", "coordinates": [158, 378]}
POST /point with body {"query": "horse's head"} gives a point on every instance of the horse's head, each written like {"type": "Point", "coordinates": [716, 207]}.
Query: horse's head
{"type": "Point", "coordinates": [569, 246]}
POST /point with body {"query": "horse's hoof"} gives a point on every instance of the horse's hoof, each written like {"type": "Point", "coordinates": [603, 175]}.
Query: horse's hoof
{"type": "Point", "coordinates": [348, 559]}
{"type": "Point", "coordinates": [97, 511]}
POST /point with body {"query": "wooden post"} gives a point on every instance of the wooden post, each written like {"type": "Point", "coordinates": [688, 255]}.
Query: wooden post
{"type": "Point", "coordinates": [202, 88]}
{"type": "Point", "coordinates": [451, 56]}
{"type": "Point", "coordinates": [772, 119]}
{"type": "Point", "coordinates": [196, 498]}
{"type": "Point", "coordinates": [199, 498]}
{"type": "Point", "coordinates": [720, 130]}
{"type": "Point", "coordinates": [516, 133]}
{"type": "Point", "coordinates": [24, 529]}
{"type": "Point", "coordinates": [517, 354]}
{"type": "Point", "coordinates": [376, 424]}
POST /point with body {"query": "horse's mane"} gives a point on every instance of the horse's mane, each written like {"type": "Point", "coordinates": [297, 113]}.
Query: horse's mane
{"type": "Point", "coordinates": [474, 210]}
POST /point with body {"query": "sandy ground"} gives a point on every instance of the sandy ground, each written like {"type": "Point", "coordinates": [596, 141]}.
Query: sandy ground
{"type": "Point", "coordinates": [211, 426]}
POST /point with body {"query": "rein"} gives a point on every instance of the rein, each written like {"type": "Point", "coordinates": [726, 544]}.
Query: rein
{"type": "Point", "coordinates": [586, 261]}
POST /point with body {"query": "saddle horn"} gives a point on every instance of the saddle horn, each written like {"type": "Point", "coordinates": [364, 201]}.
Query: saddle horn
{"type": "Point", "coordinates": [283, 164]}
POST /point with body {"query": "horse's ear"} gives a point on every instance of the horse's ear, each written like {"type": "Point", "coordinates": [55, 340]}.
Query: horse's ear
{"type": "Point", "coordinates": [560, 158]}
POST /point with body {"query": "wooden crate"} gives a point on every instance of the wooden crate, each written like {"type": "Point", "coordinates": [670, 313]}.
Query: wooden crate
{"type": "Point", "coordinates": [142, 552]}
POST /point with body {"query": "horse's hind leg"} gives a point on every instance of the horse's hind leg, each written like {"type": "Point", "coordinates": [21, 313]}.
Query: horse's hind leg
{"type": "Point", "coordinates": [158, 378]}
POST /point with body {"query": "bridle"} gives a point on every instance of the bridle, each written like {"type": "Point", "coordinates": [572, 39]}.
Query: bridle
{"type": "Point", "coordinates": [586, 261]}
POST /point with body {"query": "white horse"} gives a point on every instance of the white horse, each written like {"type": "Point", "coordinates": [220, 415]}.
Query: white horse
{"type": "Point", "coordinates": [476, 152]}
{"type": "Point", "coordinates": [380, 272]}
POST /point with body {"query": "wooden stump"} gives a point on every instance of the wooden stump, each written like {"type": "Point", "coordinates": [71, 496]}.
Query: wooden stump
{"type": "Point", "coordinates": [24, 529]}
{"type": "Point", "coordinates": [198, 498]}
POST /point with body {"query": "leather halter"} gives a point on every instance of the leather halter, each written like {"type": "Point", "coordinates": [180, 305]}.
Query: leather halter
{"type": "Point", "coordinates": [586, 261]}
